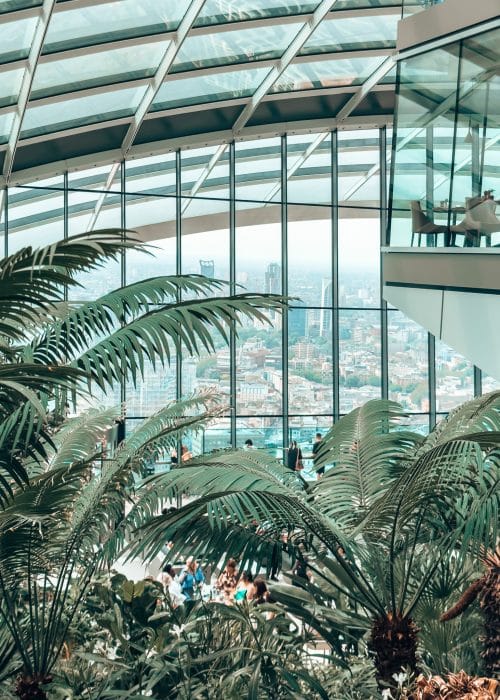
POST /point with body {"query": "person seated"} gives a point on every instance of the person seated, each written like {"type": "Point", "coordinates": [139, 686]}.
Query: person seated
{"type": "Point", "coordinates": [245, 590]}
{"type": "Point", "coordinates": [262, 594]}
{"type": "Point", "coordinates": [168, 579]}
{"type": "Point", "coordinates": [227, 581]}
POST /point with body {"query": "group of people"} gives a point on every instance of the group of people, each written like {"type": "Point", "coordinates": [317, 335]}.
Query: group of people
{"type": "Point", "coordinates": [236, 587]}
{"type": "Point", "coordinates": [295, 460]}
{"type": "Point", "coordinates": [230, 586]}
{"type": "Point", "coordinates": [182, 586]}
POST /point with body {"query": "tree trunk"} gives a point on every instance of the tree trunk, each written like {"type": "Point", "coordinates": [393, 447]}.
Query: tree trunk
{"type": "Point", "coordinates": [393, 644]}
{"type": "Point", "coordinates": [29, 687]}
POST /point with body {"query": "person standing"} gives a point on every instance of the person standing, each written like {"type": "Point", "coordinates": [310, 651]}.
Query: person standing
{"type": "Point", "coordinates": [294, 457]}
{"type": "Point", "coordinates": [315, 450]}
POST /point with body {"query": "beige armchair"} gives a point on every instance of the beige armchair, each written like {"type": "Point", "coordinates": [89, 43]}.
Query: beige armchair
{"type": "Point", "coordinates": [420, 223]}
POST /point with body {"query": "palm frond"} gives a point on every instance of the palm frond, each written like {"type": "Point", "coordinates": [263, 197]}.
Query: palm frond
{"type": "Point", "coordinates": [455, 484]}
{"type": "Point", "coordinates": [368, 452]}
{"type": "Point", "coordinates": [33, 280]}
{"type": "Point", "coordinates": [159, 333]}
{"type": "Point", "coordinates": [75, 441]}
{"type": "Point", "coordinates": [479, 415]}
{"type": "Point", "coordinates": [79, 327]}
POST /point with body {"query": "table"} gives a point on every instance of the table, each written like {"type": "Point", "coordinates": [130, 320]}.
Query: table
{"type": "Point", "coordinates": [449, 237]}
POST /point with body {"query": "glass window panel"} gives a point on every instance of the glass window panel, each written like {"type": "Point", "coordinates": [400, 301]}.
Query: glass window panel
{"type": "Point", "coordinates": [100, 399]}
{"type": "Point", "coordinates": [208, 88]}
{"type": "Point", "coordinates": [408, 363]}
{"type": "Point", "coordinates": [207, 251]}
{"type": "Point", "coordinates": [310, 254]}
{"type": "Point", "coordinates": [209, 371]}
{"type": "Point", "coordinates": [259, 353]}
{"type": "Point", "coordinates": [266, 433]}
{"type": "Point", "coordinates": [359, 264]}
{"type": "Point", "coordinates": [303, 429]}
{"type": "Point", "coordinates": [258, 161]}
{"type": "Point", "coordinates": [154, 391]}
{"type": "Point", "coordinates": [154, 174]}
{"type": "Point", "coordinates": [489, 383]}
{"type": "Point", "coordinates": [309, 168]}
{"type": "Point", "coordinates": [108, 277]}
{"type": "Point", "coordinates": [12, 5]}
{"type": "Point", "coordinates": [217, 435]}
{"type": "Point", "coordinates": [96, 178]}
{"type": "Point", "coordinates": [454, 378]}
{"type": "Point", "coordinates": [359, 358]}
{"type": "Point", "coordinates": [205, 173]}
{"type": "Point", "coordinates": [156, 213]}
{"type": "Point", "coordinates": [10, 84]}
{"type": "Point", "coordinates": [6, 120]}
{"type": "Point", "coordinates": [310, 366]}
{"type": "Point", "coordinates": [80, 111]}
{"type": "Point", "coordinates": [359, 167]}
{"type": "Point", "coordinates": [110, 21]}
{"type": "Point", "coordinates": [15, 38]}
{"type": "Point", "coordinates": [417, 423]}
{"type": "Point", "coordinates": [101, 68]}
{"type": "Point", "coordinates": [326, 74]}
{"type": "Point", "coordinates": [160, 261]}
{"type": "Point", "coordinates": [348, 34]}
{"type": "Point", "coordinates": [259, 368]}
{"type": "Point", "coordinates": [36, 217]}
{"type": "Point", "coordinates": [242, 46]}
{"type": "Point", "coordinates": [218, 11]}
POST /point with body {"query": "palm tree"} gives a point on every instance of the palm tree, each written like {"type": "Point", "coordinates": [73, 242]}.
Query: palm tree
{"type": "Point", "coordinates": [487, 589]}
{"type": "Point", "coordinates": [375, 528]}
{"type": "Point", "coordinates": [58, 521]}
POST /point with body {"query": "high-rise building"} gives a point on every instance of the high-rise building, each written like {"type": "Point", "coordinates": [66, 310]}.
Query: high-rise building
{"type": "Point", "coordinates": [207, 268]}
{"type": "Point", "coordinates": [273, 278]}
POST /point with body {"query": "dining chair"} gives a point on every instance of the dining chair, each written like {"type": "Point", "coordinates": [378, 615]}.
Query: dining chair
{"type": "Point", "coordinates": [480, 218]}
{"type": "Point", "coordinates": [421, 223]}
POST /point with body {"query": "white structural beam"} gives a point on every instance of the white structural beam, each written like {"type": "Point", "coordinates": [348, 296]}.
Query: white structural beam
{"type": "Point", "coordinates": [173, 47]}
{"type": "Point", "coordinates": [205, 174]}
{"type": "Point", "coordinates": [278, 69]}
{"type": "Point", "coordinates": [280, 66]}
{"type": "Point", "coordinates": [27, 81]}
{"type": "Point", "coordinates": [99, 204]}
{"type": "Point", "coordinates": [365, 88]}
{"type": "Point", "coordinates": [298, 163]}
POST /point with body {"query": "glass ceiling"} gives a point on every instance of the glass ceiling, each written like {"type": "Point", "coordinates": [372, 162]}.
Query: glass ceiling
{"type": "Point", "coordinates": [80, 78]}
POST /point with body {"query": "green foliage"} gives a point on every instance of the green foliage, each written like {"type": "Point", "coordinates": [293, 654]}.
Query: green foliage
{"type": "Point", "coordinates": [59, 515]}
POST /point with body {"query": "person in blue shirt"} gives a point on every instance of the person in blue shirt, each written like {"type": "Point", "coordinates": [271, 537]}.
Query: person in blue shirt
{"type": "Point", "coordinates": [191, 577]}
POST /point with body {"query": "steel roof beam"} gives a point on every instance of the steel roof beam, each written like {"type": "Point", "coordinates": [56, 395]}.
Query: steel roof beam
{"type": "Point", "coordinates": [205, 174]}
{"type": "Point", "coordinates": [298, 163]}
{"type": "Point", "coordinates": [365, 88]}
{"type": "Point", "coordinates": [215, 138]}
{"type": "Point", "coordinates": [99, 204]}
{"type": "Point", "coordinates": [45, 13]}
{"type": "Point", "coordinates": [156, 81]}
{"type": "Point", "coordinates": [280, 66]}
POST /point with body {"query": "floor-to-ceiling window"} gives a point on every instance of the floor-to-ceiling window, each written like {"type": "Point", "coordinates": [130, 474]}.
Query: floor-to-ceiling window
{"type": "Point", "coordinates": [299, 214]}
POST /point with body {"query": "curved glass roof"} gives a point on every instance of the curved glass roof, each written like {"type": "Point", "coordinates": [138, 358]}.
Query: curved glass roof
{"type": "Point", "coordinates": [81, 78]}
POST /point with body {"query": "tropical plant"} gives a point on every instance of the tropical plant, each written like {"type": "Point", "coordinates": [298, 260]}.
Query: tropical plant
{"type": "Point", "coordinates": [487, 589]}
{"type": "Point", "coordinates": [207, 651]}
{"type": "Point", "coordinates": [375, 528]}
{"type": "Point", "coordinates": [58, 518]}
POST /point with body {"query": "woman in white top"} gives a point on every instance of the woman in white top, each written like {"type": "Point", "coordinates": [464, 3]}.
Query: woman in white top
{"type": "Point", "coordinates": [171, 585]}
